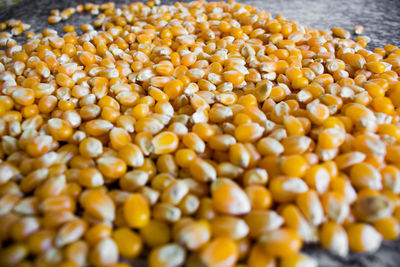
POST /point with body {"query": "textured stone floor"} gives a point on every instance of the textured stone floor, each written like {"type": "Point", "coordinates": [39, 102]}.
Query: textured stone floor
{"type": "Point", "coordinates": [381, 19]}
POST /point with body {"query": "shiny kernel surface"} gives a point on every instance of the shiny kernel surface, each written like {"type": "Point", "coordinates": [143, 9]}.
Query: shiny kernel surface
{"type": "Point", "coordinates": [195, 134]}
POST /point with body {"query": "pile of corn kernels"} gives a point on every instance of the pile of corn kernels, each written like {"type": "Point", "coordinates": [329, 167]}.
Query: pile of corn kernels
{"type": "Point", "coordinates": [197, 134]}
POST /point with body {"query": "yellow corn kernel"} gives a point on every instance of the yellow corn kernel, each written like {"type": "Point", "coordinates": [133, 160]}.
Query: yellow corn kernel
{"type": "Point", "coordinates": [165, 142]}
{"type": "Point", "coordinates": [239, 155]}
{"type": "Point", "coordinates": [229, 198]}
{"type": "Point", "coordinates": [388, 227]}
{"type": "Point", "coordinates": [193, 235]}
{"type": "Point", "coordinates": [294, 165]}
{"type": "Point", "coordinates": [230, 227]}
{"type": "Point", "coordinates": [14, 254]}
{"type": "Point", "coordinates": [311, 207]}
{"type": "Point", "coordinates": [336, 206]}
{"type": "Point", "coordinates": [363, 238]}
{"type": "Point", "coordinates": [104, 253]}
{"type": "Point", "coordinates": [317, 177]}
{"type": "Point", "coordinates": [41, 241]}
{"type": "Point", "coordinates": [98, 205]}
{"type": "Point", "coordinates": [298, 260]}
{"type": "Point", "coordinates": [260, 197]}
{"type": "Point", "coordinates": [111, 167]}
{"type": "Point", "coordinates": [128, 242]}
{"type": "Point", "coordinates": [194, 142]}
{"type": "Point", "coordinates": [77, 252]}
{"type": "Point", "coordinates": [221, 251]}
{"type": "Point", "coordinates": [262, 221]}
{"type": "Point", "coordinates": [167, 255]}
{"type": "Point", "coordinates": [97, 232]}
{"type": "Point", "coordinates": [202, 171]}
{"type": "Point", "coordinates": [258, 258]}
{"type": "Point", "coordinates": [70, 232]}
{"type": "Point", "coordinates": [281, 242]}
{"type": "Point", "coordinates": [136, 211]}
{"type": "Point", "coordinates": [333, 237]}
{"type": "Point", "coordinates": [155, 233]}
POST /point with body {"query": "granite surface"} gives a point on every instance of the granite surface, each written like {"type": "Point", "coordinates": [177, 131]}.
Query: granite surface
{"type": "Point", "coordinates": [381, 19]}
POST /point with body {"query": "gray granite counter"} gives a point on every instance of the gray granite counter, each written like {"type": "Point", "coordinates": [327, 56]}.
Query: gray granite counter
{"type": "Point", "coordinates": [381, 19]}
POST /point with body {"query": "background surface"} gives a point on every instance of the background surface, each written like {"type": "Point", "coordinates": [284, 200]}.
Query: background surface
{"type": "Point", "coordinates": [380, 18]}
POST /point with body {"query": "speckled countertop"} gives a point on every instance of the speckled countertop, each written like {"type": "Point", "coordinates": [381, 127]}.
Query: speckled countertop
{"type": "Point", "coordinates": [381, 19]}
